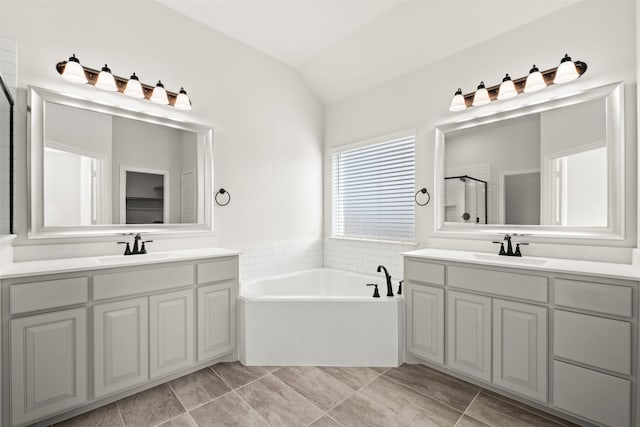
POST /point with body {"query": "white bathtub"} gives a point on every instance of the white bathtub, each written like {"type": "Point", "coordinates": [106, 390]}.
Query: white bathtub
{"type": "Point", "coordinates": [320, 317]}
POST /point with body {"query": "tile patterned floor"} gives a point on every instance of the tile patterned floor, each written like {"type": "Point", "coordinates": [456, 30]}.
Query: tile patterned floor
{"type": "Point", "coordinates": [230, 394]}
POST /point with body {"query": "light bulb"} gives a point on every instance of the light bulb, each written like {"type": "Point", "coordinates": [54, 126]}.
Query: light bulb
{"type": "Point", "coordinates": [481, 96]}
{"type": "Point", "coordinates": [73, 71]}
{"type": "Point", "coordinates": [182, 100]}
{"type": "Point", "coordinates": [535, 81]}
{"type": "Point", "coordinates": [566, 71]}
{"type": "Point", "coordinates": [134, 88]}
{"type": "Point", "coordinates": [105, 80]}
{"type": "Point", "coordinates": [458, 103]}
{"type": "Point", "coordinates": [159, 95]}
{"type": "Point", "coordinates": [507, 88]}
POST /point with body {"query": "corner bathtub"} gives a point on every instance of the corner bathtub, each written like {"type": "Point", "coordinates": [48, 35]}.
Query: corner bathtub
{"type": "Point", "coordinates": [320, 317]}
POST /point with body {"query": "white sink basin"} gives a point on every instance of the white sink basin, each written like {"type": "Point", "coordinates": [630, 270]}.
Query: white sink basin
{"type": "Point", "coordinates": [126, 259]}
{"type": "Point", "coordinates": [510, 259]}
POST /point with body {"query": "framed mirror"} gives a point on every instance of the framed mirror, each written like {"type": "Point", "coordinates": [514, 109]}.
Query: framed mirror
{"type": "Point", "coordinates": [554, 169]}
{"type": "Point", "coordinates": [100, 169]}
{"type": "Point", "coordinates": [6, 158]}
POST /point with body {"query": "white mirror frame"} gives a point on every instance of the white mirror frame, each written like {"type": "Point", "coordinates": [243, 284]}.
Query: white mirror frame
{"type": "Point", "coordinates": [37, 99]}
{"type": "Point", "coordinates": [615, 230]}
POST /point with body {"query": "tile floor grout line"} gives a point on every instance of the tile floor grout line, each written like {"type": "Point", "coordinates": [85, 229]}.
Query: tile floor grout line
{"type": "Point", "coordinates": [120, 414]}
{"type": "Point", "coordinates": [206, 403]}
{"type": "Point", "coordinates": [468, 406]}
{"type": "Point", "coordinates": [540, 413]}
{"type": "Point", "coordinates": [441, 374]}
{"type": "Point", "coordinates": [335, 421]}
{"type": "Point", "coordinates": [177, 397]}
{"type": "Point", "coordinates": [243, 385]}
{"type": "Point", "coordinates": [422, 394]}
{"type": "Point", "coordinates": [251, 407]}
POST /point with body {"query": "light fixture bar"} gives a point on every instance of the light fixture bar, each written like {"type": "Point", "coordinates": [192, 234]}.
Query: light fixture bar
{"type": "Point", "coordinates": [519, 83]}
{"type": "Point", "coordinates": [121, 82]}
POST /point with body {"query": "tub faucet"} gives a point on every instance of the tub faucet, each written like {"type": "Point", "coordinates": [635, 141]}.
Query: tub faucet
{"type": "Point", "coordinates": [388, 277]}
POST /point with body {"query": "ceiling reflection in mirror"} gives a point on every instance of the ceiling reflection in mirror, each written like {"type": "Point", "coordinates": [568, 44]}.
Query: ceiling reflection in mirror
{"type": "Point", "coordinates": [102, 169]}
{"type": "Point", "coordinates": [545, 168]}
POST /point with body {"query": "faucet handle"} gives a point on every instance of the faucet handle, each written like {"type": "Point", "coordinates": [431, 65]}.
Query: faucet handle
{"type": "Point", "coordinates": [376, 294]}
{"type": "Point", "coordinates": [400, 287]}
{"type": "Point", "coordinates": [127, 250]}
{"type": "Point", "coordinates": [517, 251]}
{"type": "Point", "coordinates": [502, 251]}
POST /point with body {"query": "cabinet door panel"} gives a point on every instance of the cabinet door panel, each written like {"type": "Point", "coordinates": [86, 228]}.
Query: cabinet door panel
{"type": "Point", "coordinates": [425, 321]}
{"type": "Point", "coordinates": [520, 348]}
{"type": "Point", "coordinates": [171, 332]}
{"type": "Point", "coordinates": [469, 334]}
{"type": "Point", "coordinates": [121, 345]}
{"type": "Point", "coordinates": [48, 363]}
{"type": "Point", "coordinates": [216, 320]}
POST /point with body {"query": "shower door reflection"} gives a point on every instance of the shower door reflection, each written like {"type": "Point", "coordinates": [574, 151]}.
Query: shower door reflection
{"type": "Point", "coordinates": [465, 199]}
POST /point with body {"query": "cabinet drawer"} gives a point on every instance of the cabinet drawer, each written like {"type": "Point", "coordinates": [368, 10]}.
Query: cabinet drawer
{"type": "Point", "coordinates": [596, 341]}
{"type": "Point", "coordinates": [49, 294]}
{"type": "Point", "coordinates": [216, 271]}
{"type": "Point", "coordinates": [141, 281]}
{"type": "Point", "coordinates": [610, 299]}
{"type": "Point", "coordinates": [599, 397]}
{"type": "Point", "coordinates": [425, 272]}
{"type": "Point", "coordinates": [513, 285]}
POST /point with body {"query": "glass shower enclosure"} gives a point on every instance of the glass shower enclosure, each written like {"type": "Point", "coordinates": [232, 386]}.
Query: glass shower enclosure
{"type": "Point", "coordinates": [466, 199]}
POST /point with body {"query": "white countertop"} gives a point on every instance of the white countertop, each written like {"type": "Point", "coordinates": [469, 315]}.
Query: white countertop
{"type": "Point", "coordinates": [67, 265]}
{"type": "Point", "coordinates": [558, 265]}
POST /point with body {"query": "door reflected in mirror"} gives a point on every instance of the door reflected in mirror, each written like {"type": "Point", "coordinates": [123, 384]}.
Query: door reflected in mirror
{"type": "Point", "coordinates": [545, 168]}
{"type": "Point", "coordinates": [102, 169]}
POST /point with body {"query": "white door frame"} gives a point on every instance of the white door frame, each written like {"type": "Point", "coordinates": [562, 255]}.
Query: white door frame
{"type": "Point", "coordinates": [502, 175]}
{"type": "Point", "coordinates": [122, 197]}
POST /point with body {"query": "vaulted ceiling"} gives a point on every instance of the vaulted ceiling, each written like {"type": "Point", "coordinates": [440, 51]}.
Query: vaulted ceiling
{"type": "Point", "coordinates": [342, 47]}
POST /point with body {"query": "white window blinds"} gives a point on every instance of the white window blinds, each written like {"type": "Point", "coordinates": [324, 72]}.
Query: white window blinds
{"type": "Point", "coordinates": [373, 191]}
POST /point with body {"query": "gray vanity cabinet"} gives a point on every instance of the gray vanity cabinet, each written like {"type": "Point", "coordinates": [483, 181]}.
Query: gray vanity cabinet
{"type": "Point", "coordinates": [563, 341]}
{"type": "Point", "coordinates": [48, 364]}
{"type": "Point", "coordinates": [121, 344]}
{"type": "Point", "coordinates": [171, 332]}
{"type": "Point", "coordinates": [425, 321]}
{"type": "Point", "coordinates": [88, 337]}
{"type": "Point", "coordinates": [520, 350]}
{"type": "Point", "coordinates": [469, 334]}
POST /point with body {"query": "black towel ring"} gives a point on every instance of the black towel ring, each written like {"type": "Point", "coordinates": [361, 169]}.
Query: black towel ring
{"type": "Point", "coordinates": [223, 191]}
{"type": "Point", "coordinates": [423, 191]}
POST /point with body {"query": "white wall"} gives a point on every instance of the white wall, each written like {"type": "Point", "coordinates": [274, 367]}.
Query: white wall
{"type": "Point", "coordinates": [268, 125]}
{"type": "Point", "coordinates": [606, 42]}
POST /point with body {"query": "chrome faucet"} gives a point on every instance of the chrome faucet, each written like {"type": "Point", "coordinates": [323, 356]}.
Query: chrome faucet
{"type": "Point", "coordinates": [388, 277]}
{"type": "Point", "coordinates": [138, 245]}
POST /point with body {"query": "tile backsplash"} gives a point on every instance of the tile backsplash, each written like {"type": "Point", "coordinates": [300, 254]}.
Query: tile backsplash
{"type": "Point", "coordinates": [267, 258]}
{"type": "Point", "coordinates": [364, 256]}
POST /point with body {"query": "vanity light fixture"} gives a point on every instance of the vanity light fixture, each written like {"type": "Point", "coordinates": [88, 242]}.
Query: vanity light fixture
{"type": "Point", "coordinates": [182, 101]}
{"type": "Point", "coordinates": [535, 81]}
{"type": "Point", "coordinates": [105, 80]}
{"type": "Point", "coordinates": [134, 88]}
{"type": "Point", "coordinates": [73, 71]}
{"type": "Point", "coordinates": [159, 95]}
{"type": "Point", "coordinates": [507, 88]}
{"type": "Point", "coordinates": [457, 103]}
{"type": "Point", "coordinates": [482, 96]}
{"type": "Point", "coordinates": [567, 71]}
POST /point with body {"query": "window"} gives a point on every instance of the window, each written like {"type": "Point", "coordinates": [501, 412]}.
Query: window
{"type": "Point", "coordinates": [373, 191]}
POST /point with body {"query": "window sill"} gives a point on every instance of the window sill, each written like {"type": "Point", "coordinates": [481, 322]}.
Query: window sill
{"type": "Point", "coordinates": [362, 239]}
